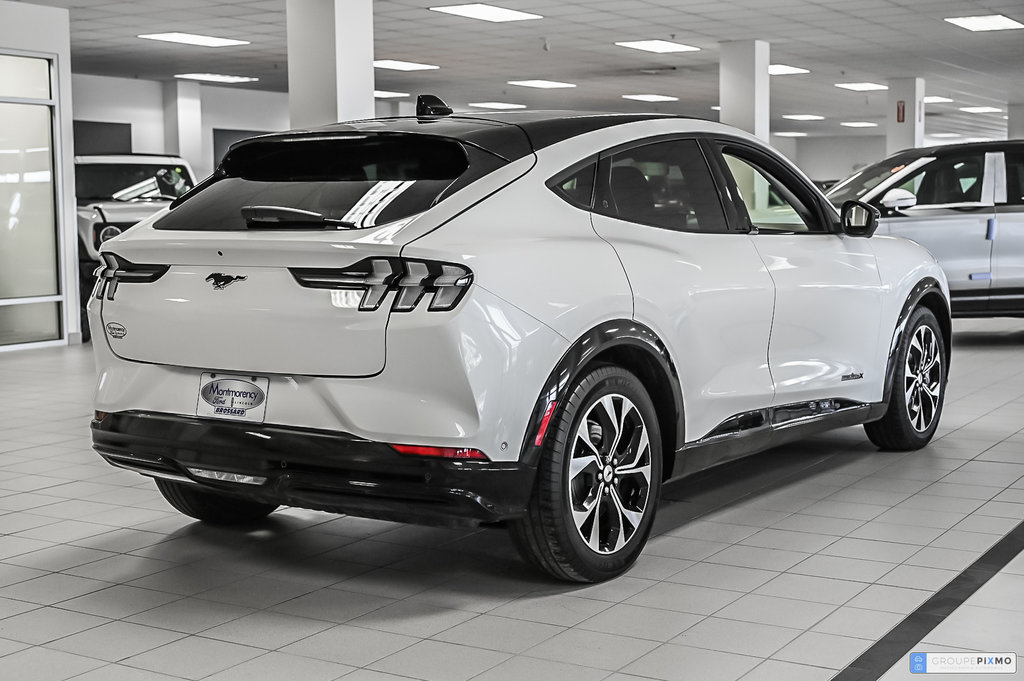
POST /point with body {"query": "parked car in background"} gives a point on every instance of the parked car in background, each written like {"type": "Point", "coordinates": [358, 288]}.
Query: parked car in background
{"type": "Point", "coordinates": [964, 203]}
{"type": "Point", "coordinates": [533, 318]}
{"type": "Point", "coordinates": [113, 193]}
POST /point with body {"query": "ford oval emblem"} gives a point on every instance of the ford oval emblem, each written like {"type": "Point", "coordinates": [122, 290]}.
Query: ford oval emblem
{"type": "Point", "coordinates": [116, 330]}
{"type": "Point", "coordinates": [232, 393]}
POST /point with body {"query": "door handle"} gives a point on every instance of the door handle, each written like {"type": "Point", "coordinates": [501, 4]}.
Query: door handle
{"type": "Point", "coordinates": [990, 232]}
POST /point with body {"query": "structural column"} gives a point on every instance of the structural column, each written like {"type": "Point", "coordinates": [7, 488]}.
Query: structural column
{"type": "Point", "coordinates": [904, 121]}
{"type": "Point", "coordinates": [1015, 124]}
{"type": "Point", "coordinates": [183, 124]}
{"type": "Point", "coordinates": [330, 61]}
{"type": "Point", "coordinates": [743, 86]}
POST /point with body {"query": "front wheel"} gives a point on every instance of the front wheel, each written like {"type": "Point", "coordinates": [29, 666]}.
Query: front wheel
{"type": "Point", "coordinates": [598, 481]}
{"type": "Point", "coordinates": [210, 507]}
{"type": "Point", "coordinates": [918, 390]}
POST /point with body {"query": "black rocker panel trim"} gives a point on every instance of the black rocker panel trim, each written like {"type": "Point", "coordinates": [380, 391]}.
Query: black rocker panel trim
{"type": "Point", "coordinates": [623, 342]}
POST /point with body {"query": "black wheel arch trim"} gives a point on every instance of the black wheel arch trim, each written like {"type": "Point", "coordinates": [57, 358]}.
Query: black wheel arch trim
{"type": "Point", "coordinates": [606, 343]}
{"type": "Point", "coordinates": [926, 291]}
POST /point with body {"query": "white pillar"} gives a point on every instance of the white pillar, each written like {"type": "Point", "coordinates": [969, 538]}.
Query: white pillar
{"type": "Point", "coordinates": [743, 86]}
{"type": "Point", "coordinates": [183, 124]}
{"type": "Point", "coordinates": [904, 121]}
{"type": "Point", "coordinates": [1015, 126]}
{"type": "Point", "coordinates": [330, 61]}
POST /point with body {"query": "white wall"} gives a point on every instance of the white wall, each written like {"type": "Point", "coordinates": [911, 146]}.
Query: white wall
{"type": "Point", "coordinates": [834, 158]}
{"type": "Point", "coordinates": [237, 109]}
{"type": "Point", "coordinates": [46, 31]}
{"type": "Point", "coordinates": [123, 100]}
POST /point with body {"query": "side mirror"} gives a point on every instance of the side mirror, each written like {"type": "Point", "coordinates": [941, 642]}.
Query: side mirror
{"type": "Point", "coordinates": [899, 198]}
{"type": "Point", "coordinates": [858, 219]}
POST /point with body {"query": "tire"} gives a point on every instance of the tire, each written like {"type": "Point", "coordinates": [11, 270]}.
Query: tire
{"type": "Point", "coordinates": [210, 507]}
{"type": "Point", "coordinates": [591, 511]}
{"type": "Point", "coordinates": [918, 390]}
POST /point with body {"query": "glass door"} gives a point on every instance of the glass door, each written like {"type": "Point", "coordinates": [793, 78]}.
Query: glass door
{"type": "Point", "coordinates": [30, 290]}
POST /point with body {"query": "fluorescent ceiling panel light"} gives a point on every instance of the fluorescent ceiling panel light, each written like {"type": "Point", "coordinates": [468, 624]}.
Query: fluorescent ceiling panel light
{"type": "Point", "coordinates": [803, 117]}
{"type": "Point", "coordinates": [193, 39]}
{"type": "Point", "coordinates": [716, 108]}
{"type": "Point", "coordinates": [651, 98]}
{"type": "Point", "coordinates": [479, 10]}
{"type": "Point", "coordinates": [862, 87]}
{"type": "Point", "coordinates": [399, 65]}
{"type": "Point", "coordinates": [989, 22]}
{"type": "Point", "coordinates": [387, 94]}
{"type": "Point", "coordinates": [216, 78]}
{"type": "Point", "coordinates": [978, 139]}
{"type": "Point", "coordinates": [980, 109]}
{"type": "Point", "coordinates": [935, 99]}
{"type": "Point", "coordinates": [790, 134]}
{"type": "Point", "coordinates": [859, 124]}
{"type": "Point", "coordinates": [659, 46]}
{"type": "Point", "coordinates": [497, 105]}
{"type": "Point", "coordinates": [945, 135]}
{"type": "Point", "coordinates": [784, 70]}
{"type": "Point", "coordinates": [543, 84]}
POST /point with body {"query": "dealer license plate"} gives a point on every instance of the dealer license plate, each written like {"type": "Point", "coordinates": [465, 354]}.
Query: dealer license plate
{"type": "Point", "coordinates": [229, 396]}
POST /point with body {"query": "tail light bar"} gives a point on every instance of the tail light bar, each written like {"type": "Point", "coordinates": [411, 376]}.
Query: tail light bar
{"type": "Point", "coordinates": [412, 280]}
{"type": "Point", "coordinates": [116, 270]}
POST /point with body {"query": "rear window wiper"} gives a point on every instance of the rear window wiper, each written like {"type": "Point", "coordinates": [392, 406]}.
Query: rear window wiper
{"type": "Point", "coordinates": [275, 217]}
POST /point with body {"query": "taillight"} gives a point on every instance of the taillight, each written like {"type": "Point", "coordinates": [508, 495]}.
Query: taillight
{"type": "Point", "coordinates": [441, 452]}
{"type": "Point", "coordinates": [444, 283]}
{"type": "Point", "coordinates": [116, 269]}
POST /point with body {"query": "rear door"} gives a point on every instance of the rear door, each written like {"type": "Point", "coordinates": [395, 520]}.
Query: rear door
{"type": "Point", "coordinates": [954, 219]}
{"type": "Point", "coordinates": [825, 335]}
{"type": "Point", "coordinates": [701, 287]}
{"type": "Point", "coordinates": [1007, 294]}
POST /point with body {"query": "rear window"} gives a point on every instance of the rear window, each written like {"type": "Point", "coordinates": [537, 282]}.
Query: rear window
{"type": "Point", "coordinates": [338, 182]}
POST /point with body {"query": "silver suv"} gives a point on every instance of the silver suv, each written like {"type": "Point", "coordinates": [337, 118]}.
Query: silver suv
{"type": "Point", "coordinates": [964, 203]}
{"type": "Point", "coordinates": [114, 192]}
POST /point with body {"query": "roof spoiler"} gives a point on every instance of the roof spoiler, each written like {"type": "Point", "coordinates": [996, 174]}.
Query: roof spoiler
{"type": "Point", "coordinates": [431, 105]}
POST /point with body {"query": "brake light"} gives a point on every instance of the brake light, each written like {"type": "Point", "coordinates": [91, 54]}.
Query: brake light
{"type": "Point", "coordinates": [411, 280]}
{"type": "Point", "coordinates": [544, 424]}
{"type": "Point", "coordinates": [116, 269]}
{"type": "Point", "coordinates": [441, 452]}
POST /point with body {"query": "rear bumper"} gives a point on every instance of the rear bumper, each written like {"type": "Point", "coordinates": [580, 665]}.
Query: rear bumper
{"type": "Point", "coordinates": [315, 469]}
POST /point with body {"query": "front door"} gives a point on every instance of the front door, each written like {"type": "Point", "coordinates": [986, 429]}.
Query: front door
{"type": "Point", "coordinates": [1008, 238]}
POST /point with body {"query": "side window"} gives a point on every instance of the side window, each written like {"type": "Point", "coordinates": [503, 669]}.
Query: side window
{"type": "Point", "coordinates": [1015, 178]}
{"type": "Point", "coordinates": [771, 205]}
{"type": "Point", "coordinates": [664, 184]}
{"type": "Point", "coordinates": [576, 185]}
{"type": "Point", "coordinates": [954, 179]}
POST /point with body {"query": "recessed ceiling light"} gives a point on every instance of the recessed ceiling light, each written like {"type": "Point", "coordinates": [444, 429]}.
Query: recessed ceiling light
{"type": "Point", "coordinates": [543, 84]}
{"type": "Point", "coordinates": [216, 78]}
{"type": "Point", "coordinates": [387, 94]}
{"type": "Point", "coordinates": [945, 135]}
{"type": "Point", "coordinates": [803, 117]}
{"type": "Point", "coordinates": [784, 70]}
{"type": "Point", "coordinates": [859, 124]}
{"type": "Point", "coordinates": [935, 99]}
{"type": "Point", "coordinates": [978, 139]}
{"type": "Point", "coordinates": [990, 22]}
{"type": "Point", "coordinates": [790, 134]}
{"type": "Point", "coordinates": [497, 105]}
{"type": "Point", "coordinates": [659, 46]}
{"type": "Point", "coordinates": [980, 109]}
{"type": "Point", "coordinates": [651, 98]}
{"type": "Point", "coordinates": [399, 65]}
{"type": "Point", "coordinates": [716, 108]}
{"type": "Point", "coordinates": [862, 87]}
{"type": "Point", "coordinates": [193, 39]}
{"type": "Point", "coordinates": [479, 10]}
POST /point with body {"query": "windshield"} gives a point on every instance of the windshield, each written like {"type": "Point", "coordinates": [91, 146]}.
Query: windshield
{"type": "Point", "coordinates": [130, 181]}
{"type": "Point", "coordinates": [863, 181]}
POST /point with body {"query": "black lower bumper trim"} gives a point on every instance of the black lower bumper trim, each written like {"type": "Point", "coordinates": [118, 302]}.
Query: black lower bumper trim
{"type": "Point", "coordinates": [315, 469]}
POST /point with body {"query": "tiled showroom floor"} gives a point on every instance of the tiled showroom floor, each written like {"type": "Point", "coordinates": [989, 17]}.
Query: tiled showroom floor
{"type": "Point", "coordinates": [786, 566]}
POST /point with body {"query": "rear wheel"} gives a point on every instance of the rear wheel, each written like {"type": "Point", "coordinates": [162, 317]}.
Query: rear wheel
{"type": "Point", "coordinates": [210, 507]}
{"type": "Point", "coordinates": [598, 481]}
{"type": "Point", "coordinates": [918, 389]}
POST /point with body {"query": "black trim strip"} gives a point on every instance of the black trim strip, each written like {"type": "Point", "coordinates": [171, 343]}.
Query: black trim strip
{"type": "Point", "coordinates": [907, 635]}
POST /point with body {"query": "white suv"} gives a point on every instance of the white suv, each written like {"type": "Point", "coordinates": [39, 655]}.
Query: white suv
{"type": "Point", "coordinates": [116, 191]}
{"type": "Point", "coordinates": [529, 318]}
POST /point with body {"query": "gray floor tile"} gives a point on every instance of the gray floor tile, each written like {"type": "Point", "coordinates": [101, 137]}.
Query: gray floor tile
{"type": "Point", "coordinates": [914, 577]}
{"type": "Point", "coordinates": [774, 670]}
{"type": "Point", "coordinates": [671, 662]}
{"type": "Point", "coordinates": [755, 557]}
{"type": "Point", "coordinates": [193, 657]}
{"type": "Point", "coordinates": [282, 667]}
{"type": "Point", "coordinates": [871, 549]}
{"type": "Point", "coordinates": [734, 636]}
{"type": "Point", "coordinates": [811, 588]}
{"type": "Point", "coordinates": [858, 623]}
{"type": "Point", "coordinates": [439, 661]}
{"type": "Point", "coordinates": [115, 641]}
{"type": "Point", "coordinates": [412, 618]}
{"type": "Point", "coordinates": [782, 612]}
{"type": "Point", "coordinates": [838, 567]}
{"type": "Point", "coordinates": [564, 611]}
{"type": "Point", "coordinates": [822, 650]}
{"type": "Point", "coordinates": [521, 668]}
{"type": "Point", "coordinates": [593, 649]}
{"type": "Point", "coordinates": [889, 598]}
{"type": "Point", "coordinates": [637, 621]}
{"type": "Point", "coordinates": [684, 598]}
{"type": "Point", "coordinates": [510, 635]}
{"type": "Point", "coordinates": [43, 664]}
{"type": "Point", "coordinates": [730, 577]}
{"type": "Point", "coordinates": [793, 541]}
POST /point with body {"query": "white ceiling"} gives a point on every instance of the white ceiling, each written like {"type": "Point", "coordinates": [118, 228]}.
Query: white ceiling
{"type": "Point", "coordinates": [838, 40]}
